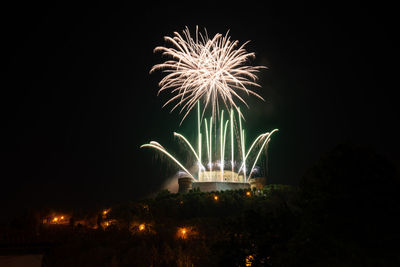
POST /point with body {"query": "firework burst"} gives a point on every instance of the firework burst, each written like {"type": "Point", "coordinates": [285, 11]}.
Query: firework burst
{"type": "Point", "coordinates": [207, 70]}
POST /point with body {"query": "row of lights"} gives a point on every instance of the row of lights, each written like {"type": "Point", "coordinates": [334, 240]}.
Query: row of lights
{"type": "Point", "coordinates": [141, 226]}
{"type": "Point", "coordinates": [57, 219]}
{"type": "Point", "coordinates": [216, 198]}
{"type": "Point", "coordinates": [182, 231]}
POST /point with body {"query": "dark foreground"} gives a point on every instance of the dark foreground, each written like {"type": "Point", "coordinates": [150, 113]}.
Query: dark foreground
{"type": "Point", "coordinates": [345, 212]}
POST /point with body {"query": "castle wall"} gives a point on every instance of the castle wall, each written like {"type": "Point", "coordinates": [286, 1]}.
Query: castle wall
{"type": "Point", "coordinates": [186, 184]}
{"type": "Point", "coordinates": [219, 186]}
{"type": "Point", "coordinates": [217, 175]}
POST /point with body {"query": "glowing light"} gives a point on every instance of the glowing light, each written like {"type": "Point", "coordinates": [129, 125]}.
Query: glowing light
{"type": "Point", "coordinates": [183, 232]}
{"type": "Point", "coordinates": [259, 152]}
{"type": "Point", "coordinates": [232, 148]}
{"type": "Point", "coordinates": [55, 219]}
{"type": "Point", "coordinates": [210, 143]}
{"type": "Point", "coordinates": [199, 139]}
{"type": "Point", "coordinates": [189, 145]}
{"type": "Point", "coordinates": [216, 198]}
{"type": "Point", "coordinates": [248, 193]}
{"type": "Point", "coordinates": [157, 146]}
{"type": "Point", "coordinates": [249, 260]}
{"type": "Point", "coordinates": [141, 227]}
{"type": "Point", "coordinates": [206, 69]}
{"type": "Point", "coordinates": [242, 142]}
{"type": "Point", "coordinates": [221, 129]}
{"type": "Point", "coordinates": [62, 218]}
{"type": "Point", "coordinates": [262, 139]}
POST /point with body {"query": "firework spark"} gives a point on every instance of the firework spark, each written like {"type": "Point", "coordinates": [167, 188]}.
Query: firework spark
{"type": "Point", "coordinates": [207, 70]}
{"type": "Point", "coordinates": [260, 144]}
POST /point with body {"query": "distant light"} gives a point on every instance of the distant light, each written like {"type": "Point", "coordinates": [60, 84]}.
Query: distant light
{"type": "Point", "coordinates": [249, 260]}
{"type": "Point", "coordinates": [182, 232]}
{"type": "Point", "coordinates": [216, 198]}
{"type": "Point", "coordinates": [55, 219]}
{"type": "Point", "coordinates": [248, 193]}
{"type": "Point", "coordinates": [62, 217]}
{"type": "Point", "coordinates": [141, 227]}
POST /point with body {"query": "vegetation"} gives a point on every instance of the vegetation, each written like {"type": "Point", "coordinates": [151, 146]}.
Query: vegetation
{"type": "Point", "coordinates": [343, 213]}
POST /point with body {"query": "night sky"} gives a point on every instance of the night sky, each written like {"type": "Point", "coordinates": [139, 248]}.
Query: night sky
{"type": "Point", "coordinates": [77, 99]}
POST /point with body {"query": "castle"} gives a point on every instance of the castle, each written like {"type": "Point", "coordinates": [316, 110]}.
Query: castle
{"type": "Point", "coordinates": [219, 181]}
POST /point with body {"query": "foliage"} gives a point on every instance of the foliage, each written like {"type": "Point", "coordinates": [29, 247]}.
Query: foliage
{"type": "Point", "coordinates": [343, 213]}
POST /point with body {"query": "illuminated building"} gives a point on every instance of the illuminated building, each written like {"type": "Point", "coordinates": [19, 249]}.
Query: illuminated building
{"type": "Point", "coordinates": [213, 181]}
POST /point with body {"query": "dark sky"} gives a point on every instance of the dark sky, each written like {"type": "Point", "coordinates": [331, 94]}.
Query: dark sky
{"type": "Point", "coordinates": [77, 99]}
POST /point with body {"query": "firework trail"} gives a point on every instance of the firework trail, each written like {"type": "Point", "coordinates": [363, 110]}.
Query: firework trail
{"type": "Point", "coordinates": [207, 70]}
{"type": "Point", "coordinates": [259, 144]}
